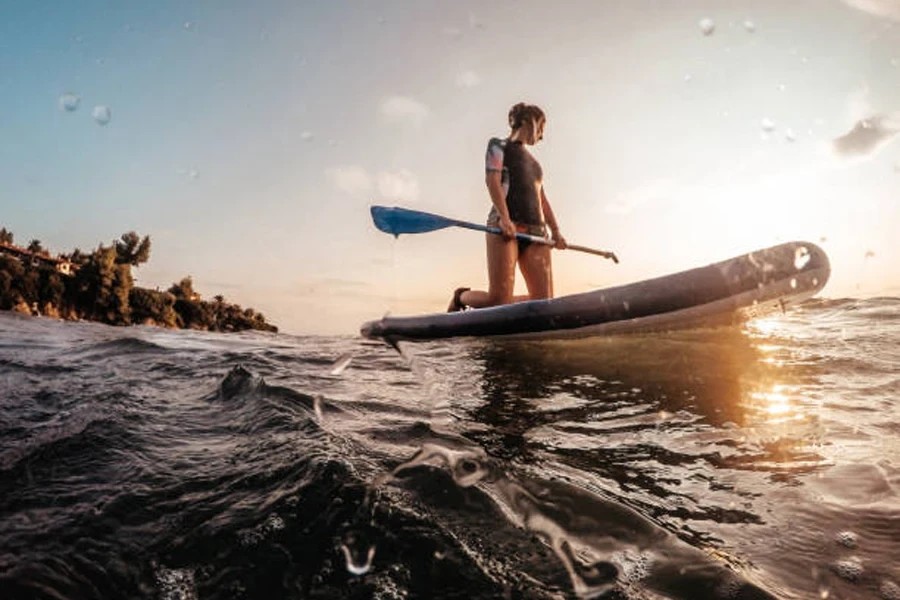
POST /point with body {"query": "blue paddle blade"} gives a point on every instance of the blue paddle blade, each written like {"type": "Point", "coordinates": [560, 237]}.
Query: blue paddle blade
{"type": "Point", "coordinates": [395, 220]}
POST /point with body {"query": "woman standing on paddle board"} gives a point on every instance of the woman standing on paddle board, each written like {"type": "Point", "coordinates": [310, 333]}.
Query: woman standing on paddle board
{"type": "Point", "coordinates": [515, 182]}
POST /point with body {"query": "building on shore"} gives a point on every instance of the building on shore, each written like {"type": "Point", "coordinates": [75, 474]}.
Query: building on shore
{"type": "Point", "coordinates": [26, 257]}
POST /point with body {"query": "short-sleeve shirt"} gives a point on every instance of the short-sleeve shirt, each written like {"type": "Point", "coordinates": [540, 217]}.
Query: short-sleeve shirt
{"type": "Point", "coordinates": [521, 177]}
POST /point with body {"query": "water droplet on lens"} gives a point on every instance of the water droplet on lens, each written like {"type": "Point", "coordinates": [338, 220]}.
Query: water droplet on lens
{"type": "Point", "coordinates": [790, 136]}
{"type": "Point", "coordinates": [781, 87]}
{"type": "Point", "coordinates": [793, 284]}
{"type": "Point", "coordinates": [101, 114]}
{"type": "Point", "coordinates": [750, 26]}
{"type": "Point", "coordinates": [870, 254]}
{"type": "Point", "coordinates": [306, 136]}
{"type": "Point", "coordinates": [69, 102]}
{"type": "Point", "coordinates": [687, 78]}
{"type": "Point", "coordinates": [188, 25]}
{"type": "Point", "coordinates": [707, 26]}
{"type": "Point", "coordinates": [767, 125]}
{"type": "Point", "coordinates": [895, 62]}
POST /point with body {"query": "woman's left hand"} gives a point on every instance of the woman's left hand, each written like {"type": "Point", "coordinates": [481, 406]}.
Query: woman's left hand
{"type": "Point", "coordinates": [560, 241]}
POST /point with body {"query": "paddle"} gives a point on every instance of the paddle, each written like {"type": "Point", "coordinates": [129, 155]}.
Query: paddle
{"type": "Point", "coordinates": [396, 220]}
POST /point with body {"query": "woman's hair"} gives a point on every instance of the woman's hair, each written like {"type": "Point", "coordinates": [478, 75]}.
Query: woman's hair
{"type": "Point", "coordinates": [519, 113]}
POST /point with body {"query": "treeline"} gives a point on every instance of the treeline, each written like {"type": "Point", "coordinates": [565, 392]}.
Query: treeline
{"type": "Point", "coordinates": [102, 289]}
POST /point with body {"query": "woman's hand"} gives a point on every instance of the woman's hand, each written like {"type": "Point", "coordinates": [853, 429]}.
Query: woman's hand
{"type": "Point", "coordinates": [559, 241]}
{"type": "Point", "coordinates": [507, 227]}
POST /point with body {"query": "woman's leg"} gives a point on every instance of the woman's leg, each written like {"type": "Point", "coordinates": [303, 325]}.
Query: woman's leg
{"type": "Point", "coordinates": [537, 270]}
{"type": "Point", "coordinates": [501, 260]}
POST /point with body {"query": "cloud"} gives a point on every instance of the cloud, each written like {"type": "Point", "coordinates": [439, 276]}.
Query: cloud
{"type": "Point", "coordinates": [402, 108]}
{"type": "Point", "coordinates": [395, 185]}
{"type": "Point", "coordinates": [653, 192]}
{"type": "Point", "coordinates": [401, 185]}
{"type": "Point", "coordinates": [350, 179]}
{"type": "Point", "coordinates": [889, 9]}
{"type": "Point", "coordinates": [870, 130]}
{"type": "Point", "coordinates": [867, 136]}
{"type": "Point", "coordinates": [452, 32]}
{"type": "Point", "coordinates": [858, 105]}
{"type": "Point", "coordinates": [467, 79]}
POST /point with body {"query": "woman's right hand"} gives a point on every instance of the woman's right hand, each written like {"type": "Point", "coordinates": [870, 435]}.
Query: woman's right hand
{"type": "Point", "coordinates": [507, 227]}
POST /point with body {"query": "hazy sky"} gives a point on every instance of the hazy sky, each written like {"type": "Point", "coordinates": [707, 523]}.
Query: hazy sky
{"type": "Point", "coordinates": [249, 139]}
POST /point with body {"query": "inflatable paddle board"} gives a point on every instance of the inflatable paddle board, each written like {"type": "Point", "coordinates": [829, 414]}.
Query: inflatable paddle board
{"type": "Point", "coordinates": [723, 293]}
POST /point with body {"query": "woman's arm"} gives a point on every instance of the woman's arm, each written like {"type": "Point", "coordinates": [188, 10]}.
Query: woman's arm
{"type": "Point", "coordinates": [493, 179]}
{"type": "Point", "coordinates": [550, 218]}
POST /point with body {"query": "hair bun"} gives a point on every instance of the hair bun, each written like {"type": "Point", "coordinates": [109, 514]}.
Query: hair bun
{"type": "Point", "coordinates": [521, 111]}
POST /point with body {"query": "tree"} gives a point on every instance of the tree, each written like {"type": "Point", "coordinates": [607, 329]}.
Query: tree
{"type": "Point", "coordinates": [156, 306]}
{"type": "Point", "coordinates": [78, 257]}
{"type": "Point", "coordinates": [183, 289]}
{"type": "Point", "coordinates": [11, 274]}
{"type": "Point", "coordinates": [35, 247]}
{"type": "Point", "coordinates": [104, 287]}
{"type": "Point", "coordinates": [132, 250]}
{"type": "Point", "coordinates": [52, 289]}
{"type": "Point", "coordinates": [6, 237]}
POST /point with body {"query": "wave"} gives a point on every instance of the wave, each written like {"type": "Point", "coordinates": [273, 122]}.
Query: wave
{"type": "Point", "coordinates": [126, 346]}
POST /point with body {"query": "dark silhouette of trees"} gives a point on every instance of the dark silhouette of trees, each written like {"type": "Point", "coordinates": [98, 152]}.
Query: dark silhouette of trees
{"type": "Point", "coordinates": [6, 237]}
{"type": "Point", "coordinates": [35, 247]}
{"type": "Point", "coordinates": [12, 275]}
{"type": "Point", "coordinates": [78, 257]}
{"type": "Point", "coordinates": [153, 307]}
{"type": "Point", "coordinates": [104, 286]}
{"type": "Point", "coordinates": [132, 250]}
{"type": "Point", "coordinates": [102, 289]}
{"type": "Point", "coordinates": [184, 289]}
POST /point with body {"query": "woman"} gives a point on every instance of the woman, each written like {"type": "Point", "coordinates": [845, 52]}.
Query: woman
{"type": "Point", "coordinates": [514, 181]}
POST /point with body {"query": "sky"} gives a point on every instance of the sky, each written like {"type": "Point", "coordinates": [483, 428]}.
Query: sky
{"type": "Point", "coordinates": [250, 139]}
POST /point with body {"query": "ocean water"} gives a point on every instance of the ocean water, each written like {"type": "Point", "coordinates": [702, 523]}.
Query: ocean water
{"type": "Point", "coordinates": [760, 461]}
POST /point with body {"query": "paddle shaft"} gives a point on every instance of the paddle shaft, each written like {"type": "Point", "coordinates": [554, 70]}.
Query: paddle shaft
{"type": "Point", "coordinates": [396, 221]}
{"type": "Point", "coordinates": [536, 239]}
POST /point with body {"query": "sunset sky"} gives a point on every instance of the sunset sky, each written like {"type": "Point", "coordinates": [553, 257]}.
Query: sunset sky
{"type": "Point", "coordinates": [249, 139]}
